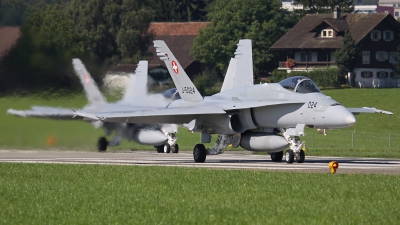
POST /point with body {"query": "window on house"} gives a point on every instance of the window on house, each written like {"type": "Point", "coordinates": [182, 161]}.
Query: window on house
{"type": "Point", "coordinates": [393, 56]}
{"type": "Point", "coordinates": [396, 14]}
{"type": "Point", "coordinates": [365, 57]}
{"type": "Point", "coordinates": [388, 35]}
{"type": "Point", "coordinates": [375, 35]}
{"type": "Point", "coordinates": [332, 56]}
{"type": "Point", "coordinates": [327, 33]}
{"type": "Point", "coordinates": [382, 56]}
{"type": "Point", "coordinates": [312, 56]}
{"type": "Point", "coordinates": [382, 74]}
{"type": "Point", "coordinates": [366, 74]}
{"type": "Point", "coordinates": [393, 75]}
{"type": "Point", "coordinates": [303, 56]}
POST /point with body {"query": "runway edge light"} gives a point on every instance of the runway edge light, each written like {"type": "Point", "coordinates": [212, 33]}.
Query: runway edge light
{"type": "Point", "coordinates": [333, 166]}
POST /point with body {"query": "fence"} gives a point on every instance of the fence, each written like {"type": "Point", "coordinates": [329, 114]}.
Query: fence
{"type": "Point", "coordinates": [352, 139]}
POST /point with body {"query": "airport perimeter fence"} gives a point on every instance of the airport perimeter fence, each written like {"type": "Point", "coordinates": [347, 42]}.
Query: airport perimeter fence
{"type": "Point", "coordinates": [352, 139]}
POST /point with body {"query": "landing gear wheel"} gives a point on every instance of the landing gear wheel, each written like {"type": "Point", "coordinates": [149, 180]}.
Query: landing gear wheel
{"type": "Point", "coordinates": [167, 148]}
{"type": "Point", "coordinates": [160, 149]}
{"type": "Point", "coordinates": [175, 149]}
{"type": "Point", "coordinates": [277, 156]}
{"type": "Point", "coordinates": [289, 156]}
{"type": "Point", "coordinates": [300, 157]}
{"type": "Point", "coordinates": [199, 153]}
{"type": "Point", "coordinates": [102, 144]}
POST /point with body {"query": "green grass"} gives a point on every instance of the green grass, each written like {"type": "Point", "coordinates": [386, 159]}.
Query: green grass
{"type": "Point", "coordinates": [99, 194]}
{"type": "Point", "coordinates": [371, 131]}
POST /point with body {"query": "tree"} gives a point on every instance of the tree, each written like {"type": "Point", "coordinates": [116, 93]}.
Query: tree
{"type": "Point", "coordinates": [346, 57]}
{"type": "Point", "coordinates": [180, 10]}
{"type": "Point", "coordinates": [13, 12]}
{"type": "Point", "coordinates": [116, 31]}
{"type": "Point", "coordinates": [264, 22]}
{"type": "Point", "coordinates": [43, 54]}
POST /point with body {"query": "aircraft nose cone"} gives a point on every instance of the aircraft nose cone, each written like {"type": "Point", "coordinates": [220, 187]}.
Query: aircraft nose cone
{"type": "Point", "coordinates": [350, 120]}
{"type": "Point", "coordinates": [338, 117]}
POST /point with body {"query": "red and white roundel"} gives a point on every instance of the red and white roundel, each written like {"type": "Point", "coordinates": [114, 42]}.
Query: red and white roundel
{"type": "Point", "coordinates": [174, 67]}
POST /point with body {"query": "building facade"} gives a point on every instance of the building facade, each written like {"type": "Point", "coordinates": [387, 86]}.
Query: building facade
{"type": "Point", "coordinates": [312, 42]}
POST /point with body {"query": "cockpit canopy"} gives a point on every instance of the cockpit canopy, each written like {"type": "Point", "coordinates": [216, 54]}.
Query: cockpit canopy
{"type": "Point", "coordinates": [299, 84]}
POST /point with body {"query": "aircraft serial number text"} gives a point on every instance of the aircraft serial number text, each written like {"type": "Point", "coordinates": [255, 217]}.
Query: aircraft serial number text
{"type": "Point", "coordinates": [312, 105]}
{"type": "Point", "coordinates": [188, 90]}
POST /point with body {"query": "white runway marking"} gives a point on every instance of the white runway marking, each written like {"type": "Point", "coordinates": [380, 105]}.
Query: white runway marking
{"type": "Point", "coordinates": [229, 160]}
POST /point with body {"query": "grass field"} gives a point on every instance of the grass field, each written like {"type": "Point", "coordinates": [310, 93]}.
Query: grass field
{"type": "Point", "coordinates": [371, 132]}
{"type": "Point", "coordinates": [98, 194]}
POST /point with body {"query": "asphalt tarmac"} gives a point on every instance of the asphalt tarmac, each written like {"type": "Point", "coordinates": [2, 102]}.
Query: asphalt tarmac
{"type": "Point", "coordinates": [228, 160]}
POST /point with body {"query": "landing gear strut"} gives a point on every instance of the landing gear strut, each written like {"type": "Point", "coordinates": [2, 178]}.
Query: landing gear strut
{"type": "Point", "coordinates": [296, 150]}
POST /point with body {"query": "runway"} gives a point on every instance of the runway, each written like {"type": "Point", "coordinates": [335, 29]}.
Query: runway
{"type": "Point", "coordinates": [228, 160]}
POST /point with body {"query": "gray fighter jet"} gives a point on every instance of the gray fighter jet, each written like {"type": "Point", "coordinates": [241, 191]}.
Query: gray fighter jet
{"type": "Point", "coordinates": [162, 136]}
{"type": "Point", "coordinates": [264, 117]}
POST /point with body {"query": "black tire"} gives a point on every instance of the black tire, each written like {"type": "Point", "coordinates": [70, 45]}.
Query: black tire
{"type": "Point", "coordinates": [199, 153]}
{"type": "Point", "coordinates": [289, 156]}
{"type": "Point", "coordinates": [102, 144]}
{"type": "Point", "coordinates": [175, 149]}
{"type": "Point", "coordinates": [302, 157]}
{"type": "Point", "coordinates": [167, 148]}
{"type": "Point", "coordinates": [277, 156]}
{"type": "Point", "coordinates": [160, 149]}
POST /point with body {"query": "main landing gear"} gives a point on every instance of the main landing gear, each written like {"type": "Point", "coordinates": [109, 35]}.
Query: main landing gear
{"type": "Point", "coordinates": [170, 145]}
{"type": "Point", "coordinates": [102, 144]}
{"type": "Point", "coordinates": [277, 156]}
{"type": "Point", "coordinates": [200, 152]}
{"type": "Point", "coordinates": [166, 148]}
{"type": "Point", "coordinates": [296, 150]}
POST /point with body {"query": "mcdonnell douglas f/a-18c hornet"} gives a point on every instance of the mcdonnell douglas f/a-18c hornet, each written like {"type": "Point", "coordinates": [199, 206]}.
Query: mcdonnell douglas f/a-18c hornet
{"type": "Point", "coordinates": [162, 136]}
{"type": "Point", "coordinates": [264, 117]}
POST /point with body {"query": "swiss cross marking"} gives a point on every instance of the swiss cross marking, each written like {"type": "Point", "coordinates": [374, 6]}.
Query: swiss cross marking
{"type": "Point", "coordinates": [87, 79]}
{"type": "Point", "coordinates": [174, 67]}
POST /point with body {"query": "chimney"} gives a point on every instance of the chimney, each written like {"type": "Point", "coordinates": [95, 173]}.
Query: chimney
{"type": "Point", "coordinates": [336, 12]}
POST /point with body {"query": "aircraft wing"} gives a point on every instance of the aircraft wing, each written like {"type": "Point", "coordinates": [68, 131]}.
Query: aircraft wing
{"type": "Point", "coordinates": [161, 115]}
{"type": "Point", "coordinates": [43, 112]}
{"type": "Point", "coordinates": [357, 111]}
{"type": "Point", "coordinates": [255, 104]}
{"type": "Point", "coordinates": [174, 115]}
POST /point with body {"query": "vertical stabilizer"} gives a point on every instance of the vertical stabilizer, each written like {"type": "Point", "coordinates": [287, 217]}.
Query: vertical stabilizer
{"type": "Point", "coordinates": [184, 85]}
{"type": "Point", "coordinates": [229, 76]}
{"type": "Point", "coordinates": [240, 69]}
{"type": "Point", "coordinates": [92, 92]}
{"type": "Point", "coordinates": [137, 87]}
